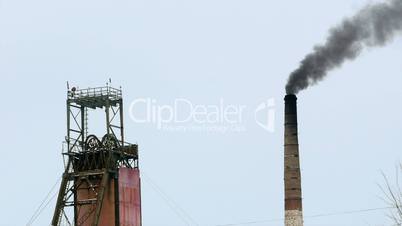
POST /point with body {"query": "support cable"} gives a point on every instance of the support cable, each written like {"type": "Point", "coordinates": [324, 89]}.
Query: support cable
{"type": "Point", "coordinates": [311, 216]}
{"type": "Point", "coordinates": [45, 202]}
{"type": "Point", "coordinates": [180, 212]}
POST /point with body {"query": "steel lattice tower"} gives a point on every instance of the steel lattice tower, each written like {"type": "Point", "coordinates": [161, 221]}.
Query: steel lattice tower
{"type": "Point", "coordinates": [100, 185]}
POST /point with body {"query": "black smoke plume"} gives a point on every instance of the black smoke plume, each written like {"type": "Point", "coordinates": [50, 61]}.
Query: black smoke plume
{"type": "Point", "coordinates": [374, 25]}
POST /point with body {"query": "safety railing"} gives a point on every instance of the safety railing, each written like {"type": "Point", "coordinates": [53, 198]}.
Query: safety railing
{"type": "Point", "coordinates": [106, 91]}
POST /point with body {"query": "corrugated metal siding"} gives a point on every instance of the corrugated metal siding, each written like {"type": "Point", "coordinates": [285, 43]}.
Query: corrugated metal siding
{"type": "Point", "coordinates": [129, 197]}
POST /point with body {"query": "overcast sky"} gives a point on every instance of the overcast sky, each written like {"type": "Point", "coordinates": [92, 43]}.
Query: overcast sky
{"type": "Point", "coordinates": [238, 51]}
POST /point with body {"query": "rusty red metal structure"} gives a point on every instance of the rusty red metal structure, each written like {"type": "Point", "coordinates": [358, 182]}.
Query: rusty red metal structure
{"type": "Point", "coordinates": [101, 181]}
{"type": "Point", "coordinates": [129, 197]}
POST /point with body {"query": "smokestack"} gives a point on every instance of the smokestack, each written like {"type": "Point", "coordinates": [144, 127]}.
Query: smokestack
{"type": "Point", "coordinates": [293, 193]}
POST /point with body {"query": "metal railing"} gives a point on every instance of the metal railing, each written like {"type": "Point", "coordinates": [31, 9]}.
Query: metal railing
{"type": "Point", "coordinates": [106, 91]}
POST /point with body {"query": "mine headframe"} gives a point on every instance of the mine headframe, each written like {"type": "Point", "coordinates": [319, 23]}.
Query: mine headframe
{"type": "Point", "coordinates": [92, 163]}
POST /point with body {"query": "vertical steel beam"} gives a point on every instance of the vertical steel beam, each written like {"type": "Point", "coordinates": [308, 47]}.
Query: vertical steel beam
{"type": "Point", "coordinates": [82, 112]}
{"type": "Point", "coordinates": [68, 125]}
{"type": "Point", "coordinates": [60, 200]}
{"type": "Point", "coordinates": [121, 121]}
{"type": "Point", "coordinates": [101, 195]}
{"type": "Point", "coordinates": [107, 111]}
{"type": "Point", "coordinates": [116, 199]}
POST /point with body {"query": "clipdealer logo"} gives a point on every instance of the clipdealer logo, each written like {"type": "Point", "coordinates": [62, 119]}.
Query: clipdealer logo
{"type": "Point", "coordinates": [183, 115]}
{"type": "Point", "coordinates": [265, 115]}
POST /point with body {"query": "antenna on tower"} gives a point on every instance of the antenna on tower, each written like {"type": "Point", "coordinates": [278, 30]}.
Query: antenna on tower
{"type": "Point", "coordinates": [109, 82]}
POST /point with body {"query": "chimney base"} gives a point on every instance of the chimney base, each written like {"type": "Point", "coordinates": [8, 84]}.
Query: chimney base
{"type": "Point", "coordinates": [293, 218]}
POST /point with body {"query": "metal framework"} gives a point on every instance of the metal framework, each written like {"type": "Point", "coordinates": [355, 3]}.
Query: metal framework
{"type": "Point", "coordinates": [90, 162]}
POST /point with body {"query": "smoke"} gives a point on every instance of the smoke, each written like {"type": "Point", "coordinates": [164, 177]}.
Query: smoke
{"type": "Point", "coordinates": [374, 25]}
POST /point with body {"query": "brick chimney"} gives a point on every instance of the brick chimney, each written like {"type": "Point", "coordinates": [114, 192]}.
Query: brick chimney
{"type": "Point", "coordinates": [293, 193]}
